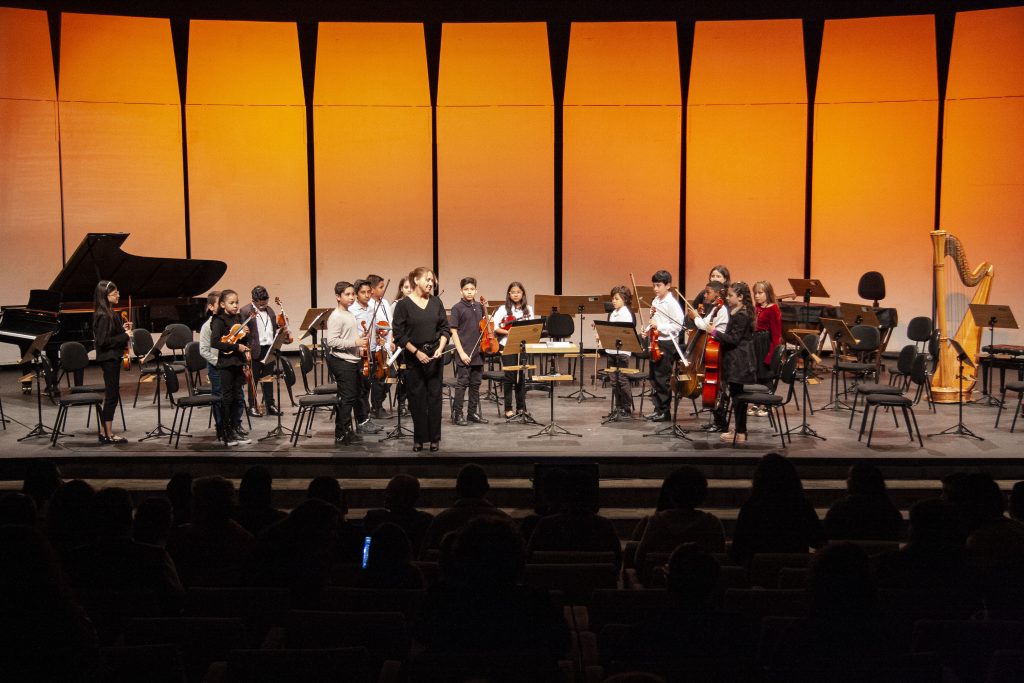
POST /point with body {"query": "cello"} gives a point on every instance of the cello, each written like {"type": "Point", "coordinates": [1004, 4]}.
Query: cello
{"type": "Point", "coordinates": [712, 358]}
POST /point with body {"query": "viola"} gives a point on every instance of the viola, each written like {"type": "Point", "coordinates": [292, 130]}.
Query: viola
{"type": "Point", "coordinates": [655, 348]}
{"type": "Point", "coordinates": [488, 339]}
{"type": "Point", "coordinates": [282, 321]}
{"type": "Point", "coordinates": [380, 359]}
{"type": "Point", "coordinates": [126, 358]}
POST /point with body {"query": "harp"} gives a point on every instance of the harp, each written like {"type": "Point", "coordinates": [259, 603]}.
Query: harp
{"type": "Point", "coordinates": [952, 315]}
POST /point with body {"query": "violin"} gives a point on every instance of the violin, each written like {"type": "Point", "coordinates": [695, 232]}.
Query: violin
{"type": "Point", "coordinates": [237, 332]}
{"type": "Point", "coordinates": [506, 322]}
{"type": "Point", "coordinates": [380, 359]}
{"type": "Point", "coordinates": [126, 358]}
{"type": "Point", "coordinates": [488, 339]}
{"type": "Point", "coordinates": [282, 321]}
{"type": "Point", "coordinates": [364, 351]}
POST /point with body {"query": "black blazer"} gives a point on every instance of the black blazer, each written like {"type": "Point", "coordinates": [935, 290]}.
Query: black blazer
{"type": "Point", "coordinates": [738, 363]}
{"type": "Point", "coordinates": [254, 332]}
{"type": "Point", "coordinates": [110, 337]}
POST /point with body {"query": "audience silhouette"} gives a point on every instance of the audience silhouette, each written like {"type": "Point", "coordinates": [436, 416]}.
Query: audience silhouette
{"type": "Point", "coordinates": [865, 513]}
{"type": "Point", "coordinates": [400, 498]}
{"type": "Point", "coordinates": [255, 511]}
{"type": "Point", "coordinates": [470, 488]}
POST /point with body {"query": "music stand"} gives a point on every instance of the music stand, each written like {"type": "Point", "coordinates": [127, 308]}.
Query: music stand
{"type": "Point", "coordinates": [521, 333]}
{"type": "Point", "coordinates": [807, 288]}
{"type": "Point", "coordinates": [960, 429]}
{"type": "Point", "coordinates": [804, 429]}
{"type": "Point", "coordinates": [315, 321]}
{"type": "Point", "coordinates": [34, 355]}
{"type": "Point", "coordinates": [858, 314]}
{"type": "Point", "coordinates": [838, 330]}
{"type": "Point", "coordinates": [157, 432]}
{"type": "Point", "coordinates": [621, 336]}
{"type": "Point", "coordinates": [273, 355]}
{"type": "Point", "coordinates": [594, 306]}
{"type": "Point", "coordinates": [992, 316]}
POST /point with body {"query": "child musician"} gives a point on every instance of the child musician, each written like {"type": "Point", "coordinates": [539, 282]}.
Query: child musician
{"type": "Point", "coordinates": [716, 313]}
{"type": "Point", "coordinates": [230, 360]}
{"type": "Point", "coordinates": [667, 318]}
{"type": "Point", "coordinates": [362, 310]}
{"type": "Point", "coordinates": [769, 320]}
{"type": "Point", "coordinates": [738, 364]}
{"type": "Point", "coordinates": [621, 313]}
{"type": "Point", "coordinates": [346, 343]}
{"type": "Point", "coordinates": [381, 309]}
{"type": "Point", "coordinates": [111, 340]}
{"type": "Point", "coordinates": [514, 308]}
{"type": "Point", "coordinates": [262, 331]}
{"type": "Point", "coordinates": [469, 365]}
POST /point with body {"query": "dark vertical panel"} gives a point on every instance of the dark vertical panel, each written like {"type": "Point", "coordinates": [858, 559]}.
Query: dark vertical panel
{"type": "Point", "coordinates": [684, 38]}
{"type": "Point", "coordinates": [944, 24]}
{"type": "Point", "coordinates": [558, 50]}
{"type": "Point", "coordinates": [308, 33]}
{"type": "Point", "coordinates": [432, 39]}
{"type": "Point", "coordinates": [813, 32]}
{"type": "Point", "coordinates": [53, 19]}
{"type": "Point", "coordinates": [179, 39]}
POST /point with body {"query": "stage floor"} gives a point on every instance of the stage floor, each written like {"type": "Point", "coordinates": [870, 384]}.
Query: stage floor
{"type": "Point", "coordinates": [512, 441]}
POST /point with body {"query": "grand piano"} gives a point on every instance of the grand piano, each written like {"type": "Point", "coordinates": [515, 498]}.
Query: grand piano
{"type": "Point", "coordinates": [162, 291]}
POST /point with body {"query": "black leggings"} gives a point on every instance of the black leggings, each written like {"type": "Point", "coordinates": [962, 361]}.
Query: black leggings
{"type": "Point", "coordinates": [111, 387]}
{"type": "Point", "coordinates": [230, 393]}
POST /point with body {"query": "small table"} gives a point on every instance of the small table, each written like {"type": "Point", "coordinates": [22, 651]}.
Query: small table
{"type": "Point", "coordinates": [553, 428]}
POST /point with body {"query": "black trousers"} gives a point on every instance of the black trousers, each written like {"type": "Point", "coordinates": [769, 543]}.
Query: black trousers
{"type": "Point", "coordinates": [727, 405]}
{"type": "Point", "coordinates": [111, 387]}
{"type": "Point", "coordinates": [514, 383]}
{"type": "Point", "coordinates": [661, 374]}
{"type": "Point", "coordinates": [259, 370]}
{"type": "Point", "coordinates": [230, 393]}
{"type": "Point", "coordinates": [468, 377]}
{"type": "Point", "coordinates": [623, 395]}
{"type": "Point", "coordinates": [423, 387]}
{"type": "Point", "coordinates": [347, 375]}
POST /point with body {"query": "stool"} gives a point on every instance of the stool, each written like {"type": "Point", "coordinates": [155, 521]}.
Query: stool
{"type": "Point", "coordinates": [889, 401]}
{"type": "Point", "coordinates": [1011, 386]}
{"type": "Point", "coordinates": [66, 403]}
{"type": "Point", "coordinates": [307, 409]}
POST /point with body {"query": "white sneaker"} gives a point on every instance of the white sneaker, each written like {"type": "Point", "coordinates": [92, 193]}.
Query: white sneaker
{"type": "Point", "coordinates": [762, 412]}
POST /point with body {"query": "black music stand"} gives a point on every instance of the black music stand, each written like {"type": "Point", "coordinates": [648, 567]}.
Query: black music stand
{"type": "Point", "coordinates": [315, 321]}
{"type": "Point", "coordinates": [622, 337]}
{"type": "Point", "coordinates": [858, 314]}
{"type": "Point", "coordinates": [839, 331]}
{"type": "Point", "coordinates": [992, 316]}
{"type": "Point", "coordinates": [959, 429]}
{"type": "Point", "coordinates": [521, 333]}
{"type": "Point", "coordinates": [273, 355]}
{"type": "Point", "coordinates": [154, 355]}
{"type": "Point", "coordinates": [399, 432]}
{"type": "Point", "coordinates": [807, 288]}
{"type": "Point", "coordinates": [804, 429]}
{"type": "Point", "coordinates": [34, 355]}
{"type": "Point", "coordinates": [582, 394]}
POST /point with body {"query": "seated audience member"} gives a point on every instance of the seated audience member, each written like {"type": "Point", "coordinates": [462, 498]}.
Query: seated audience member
{"type": "Point", "coordinates": [45, 634]}
{"type": "Point", "coordinates": [933, 566]}
{"type": "Point", "coordinates": [41, 481]}
{"type": "Point", "coordinates": [17, 509]}
{"type": "Point", "coordinates": [995, 544]}
{"type": "Point", "coordinates": [298, 552]}
{"type": "Point", "coordinates": [350, 536]}
{"type": "Point", "coordinates": [954, 491]}
{"type": "Point", "coordinates": [153, 519]}
{"type": "Point", "coordinates": [548, 501]}
{"type": "Point", "coordinates": [69, 522]}
{"type": "Point", "coordinates": [1017, 502]}
{"type": "Point", "coordinates": [255, 511]}
{"type": "Point", "coordinates": [576, 527]}
{"type": "Point", "coordinates": [389, 561]}
{"type": "Point", "coordinates": [691, 624]}
{"type": "Point", "coordinates": [777, 518]}
{"type": "Point", "coordinates": [115, 563]}
{"type": "Point", "coordinates": [470, 488]}
{"type": "Point", "coordinates": [400, 498]}
{"type": "Point", "coordinates": [480, 608]}
{"type": "Point", "coordinates": [179, 492]}
{"type": "Point", "coordinates": [845, 621]}
{"type": "Point", "coordinates": [664, 503]}
{"type": "Point", "coordinates": [865, 513]}
{"type": "Point", "coordinates": [681, 522]}
{"type": "Point", "coordinates": [213, 549]}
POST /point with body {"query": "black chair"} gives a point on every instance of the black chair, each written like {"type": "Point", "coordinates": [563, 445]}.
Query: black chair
{"type": "Point", "coordinates": [776, 404]}
{"type": "Point", "coordinates": [892, 402]}
{"type": "Point", "coordinates": [920, 330]}
{"type": "Point", "coordinates": [865, 344]}
{"type": "Point", "coordinates": [142, 343]}
{"type": "Point", "coordinates": [194, 365]}
{"type": "Point", "coordinates": [308, 405]}
{"type": "Point", "coordinates": [306, 365]}
{"type": "Point", "coordinates": [3, 418]}
{"type": "Point", "coordinates": [73, 360]}
{"type": "Point", "coordinates": [189, 403]}
{"type": "Point", "coordinates": [904, 368]}
{"type": "Point", "coordinates": [560, 327]}
{"type": "Point", "coordinates": [871, 286]}
{"type": "Point", "coordinates": [178, 337]}
{"type": "Point", "coordinates": [904, 363]}
{"type": "Point", "coordinates": [1011, 386]}
{"type": "Point", "coordinates": [66, 403]}
{"type": "Point", "coordinates": [921, 375]}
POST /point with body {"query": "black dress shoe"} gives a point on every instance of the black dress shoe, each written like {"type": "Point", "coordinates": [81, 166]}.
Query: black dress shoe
{"type": "Point", "coordinates": [252, 412]}
{"type": "Point", "coordinates": [658, 417]}
{"type": "Point", "coordinates": [348, 439]}
{"type": "Point", "coordinates": [460, 420]}
{"type": "Point", "coordinates": [417, 447]}
{"type": "Point", "coordinates": [478, 418]}
{"type": "Point", "coordinates": [434, 446]}
{"type": "Point", "coordinates": [274, 410]}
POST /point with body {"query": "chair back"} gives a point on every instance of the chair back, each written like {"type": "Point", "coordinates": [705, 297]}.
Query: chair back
{"type": "Point", "coordinates": [866, 338]}
{"type": "Point", "coordinates": [787, 375]}
{"type": "Point", "coordinates": [811, 342]}
{"type": "Point", "coordinates": [288, 370]}
{"type": "Point", "coordinates": [170, 379]}
{"type": "Point", "coordinates": [871, 286]}
{"type": "Point", "coordinates": [560, 325]}
{"type": "Point", "coordinates": [919, 329]}
{"type": "Point", "coordinates": [919, 369]}
{"type": "Point", "coordinates": [73, 357]}
{"type": "Point", "coordinates": [305, 365]}
{"type": "Point", "coordinates": [194, 360]}
{"type": "Point", "coordinates": [905, 361]}
{"type": "Point", "coordinates": [142, 341]}
{"type": "Point", "coordinates": [178, 336]}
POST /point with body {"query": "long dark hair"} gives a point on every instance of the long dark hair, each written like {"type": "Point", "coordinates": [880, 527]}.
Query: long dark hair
{"type": "Point", "coordinates": [509, 303]}
{"type": "Point", "coordinates": [742, 289]}
{"type": "Point", "coordinates": [99, 299]}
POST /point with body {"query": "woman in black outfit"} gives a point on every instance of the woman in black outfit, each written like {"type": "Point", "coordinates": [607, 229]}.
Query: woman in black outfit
{"type": "Point", "coordinates": [111, 339]}
{"type": "Point", "coordinates": [421, 328]}
{"type": "Point", "coordinates": [229, 366]}
{"type": "Point", "coordinates": [738, 364]}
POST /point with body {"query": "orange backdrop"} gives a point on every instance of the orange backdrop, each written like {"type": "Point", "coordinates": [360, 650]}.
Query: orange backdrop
{"type": "Point", "coordinates": [371, 127]}
{"type": "Point", "coordinates": [621, 155]}
{"type": "Point", "coordinates": [495, 133]}
{"type": "Point", "coordinates": [745, 166]}
{"type": "Point", "coordinates": [29, 176]}
{"type": "Point", "coordinates": [874, 160]}
{"type": "Point", "coordinates": [247, 157]}
{"type": "Point", "coordinates": [120, 123]}
{"type": "Point", "coordinates": [982, 161]}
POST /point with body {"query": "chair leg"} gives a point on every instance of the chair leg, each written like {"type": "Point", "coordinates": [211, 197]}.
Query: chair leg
{"type": "Point", "coordinates": [782, 434]}
{"type": "Point", "coordinates": [785, 421]}
{"type": "Point", "coordinates": [1016, 413]}
{"type": "Point", "coordinates": [872, 431]}
{"type": "Point", "coordinates": [174, 425]}
{"type": "Point", "coordinates": [906, 418]}
{"type": "Point", "coordinates": [99, 421]}
{"type": "Point", "coordinates": [863, 421]}
{"type": "Point", "coordinates": [1002, 403]}
{"type": "Point", "coordinates": [294, 438]}
{"type": "Point", "coordinates": [853, 410]}
{"type": "Point", "coordinates": [917, 429]}
{"type": "Point", "coordinates": [138, 386]}
{"type": "Point", "coordinates": [56, 427]}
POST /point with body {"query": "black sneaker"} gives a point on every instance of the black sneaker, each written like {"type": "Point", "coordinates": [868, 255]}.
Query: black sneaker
{"type": "Point", "coordinates": [348, 439]}
{"type": "Point", "coordinates": [240, 439]}
{"type": "Point", "coordinates": [381, 414]}
{"type": "Point", "coordinates": [658, 417]}
{"type": "Point", "coordinates": [368, 426]}
{"type": "Point", "coordinates": [477, 418]}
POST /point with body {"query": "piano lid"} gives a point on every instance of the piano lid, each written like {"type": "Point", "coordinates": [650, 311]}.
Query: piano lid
{"type": "Point", "coordinates": [99, 257]}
